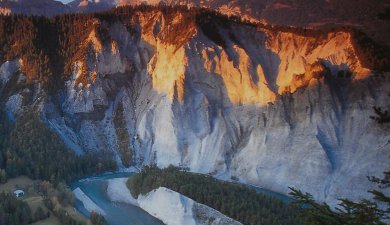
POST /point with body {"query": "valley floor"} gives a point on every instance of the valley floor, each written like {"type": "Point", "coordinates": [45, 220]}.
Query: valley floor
{"type": "Point", "coordinates": [35, 200]}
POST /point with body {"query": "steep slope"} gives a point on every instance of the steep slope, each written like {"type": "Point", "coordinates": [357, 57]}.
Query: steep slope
{"type": "Point", "coordinates": [274, 107]}
{"type": "Point", "coordinates": [361, 14]}
{"type": "Point", "coordinates": [299, 13]}
{"type": "Point", "coordinates": [175, 209]}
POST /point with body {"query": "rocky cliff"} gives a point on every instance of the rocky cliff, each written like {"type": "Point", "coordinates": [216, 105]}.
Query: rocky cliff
{"type": "Point", "coordinates": [175, 209]}
{"type": "Point", "coordinates": [273, 108]}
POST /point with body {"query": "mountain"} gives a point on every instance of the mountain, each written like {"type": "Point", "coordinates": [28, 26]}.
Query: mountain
{"type": "Point", "coordinates": [32, 7]}
{"type": "Point", "coordinates": [272, 106]}
{"type": "Point", "coordinates": [85, 6]}
{"type": "Point", "coordinates": [361, 14]}
{"type": "Point", "coordinates": [52, 7]}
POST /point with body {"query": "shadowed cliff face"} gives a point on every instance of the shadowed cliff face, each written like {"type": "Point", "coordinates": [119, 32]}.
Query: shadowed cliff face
{"type": "Point", "coordinates": [273, 108]}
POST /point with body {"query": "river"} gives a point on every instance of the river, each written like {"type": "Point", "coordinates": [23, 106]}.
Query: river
{"type": "Point", "coordinates": [116, 213]}
{"type": "Point", "coordinates": [121, 213]}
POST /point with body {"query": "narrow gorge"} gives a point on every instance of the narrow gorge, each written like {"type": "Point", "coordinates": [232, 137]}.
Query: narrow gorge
{"type": "Point", "coordinates": [269, 106]}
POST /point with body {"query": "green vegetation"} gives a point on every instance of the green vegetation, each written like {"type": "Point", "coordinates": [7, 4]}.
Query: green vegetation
{"type": "Point", "coordinates": [123, 139]}
{"type": "Point", "coordinates": [30, 208]}
{"type": "Point", "coordinates": [27, 146]}
{"type": "Point", "coordinates": [371, 54]}
{"type": "Point", "coordinates": [47, 46]}
{"type": "Point", "coordinates": [96, 219]}
{"type": "Point", "coordinates": [40, 214]}
{"type": "Point", "coordinates": [5, 129]}
{"type": "Point", "coordinates": [57, 199]}
{"type": "Point", "coordinates": [50, 46]}
{"type": "Point", "coordinates": [61, 214]}
{"type": "Point", "coordinates": [348, 212]}
{"type": "Point", "coordinates": [14, 211]}
{"type": "Point", "coordinates": [43, 203]}
{"type": "Point", "coordinates": [59, 195]}
{"type": "Point", "coordinates": [3, 176]}
{"type": "Point", "coordinates": [239, 202]}
{"type": "Point", "coordinates": [32, 149]}
{"type": "Point", "coordinates": [209, 25]}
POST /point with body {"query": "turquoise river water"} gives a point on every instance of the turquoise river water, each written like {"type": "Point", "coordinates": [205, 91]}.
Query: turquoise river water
{"type": "Point", "coordinates": [125, 214]}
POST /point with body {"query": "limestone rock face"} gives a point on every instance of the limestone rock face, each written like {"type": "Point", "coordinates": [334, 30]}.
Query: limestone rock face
{"type": "Point", "coordinates": [273, 108]}
{"type": "Point", "coordinates": [175, 209]}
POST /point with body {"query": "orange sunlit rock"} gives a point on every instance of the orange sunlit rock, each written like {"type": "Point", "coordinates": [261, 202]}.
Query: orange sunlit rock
{"type": "Point", "coordinates": [167, 68]}
{"type": "Point", "coordinates": [296, 53]}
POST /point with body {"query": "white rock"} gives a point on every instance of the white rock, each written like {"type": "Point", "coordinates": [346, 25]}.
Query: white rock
{"type": "Point", "coordinates": [87, 202]}
{"type": "Point", "coordinates": [168, 206]}
{"type": "Point", "coordinates": [8, 69]}
{"type": "Point", "coordinates": [220, 110]}
{"type": "Point", "coordinates": [14, 105]}
{"type": "Point", "coordinates": [175, 209]}
{"type": "Point", "coordinates": [117, 191]}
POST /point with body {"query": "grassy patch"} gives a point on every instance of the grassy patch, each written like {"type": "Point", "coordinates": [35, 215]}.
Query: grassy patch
{"type": "Point", "coordinates": [15, 183]}
{"type": "Point", "coordinates": [36, 193]}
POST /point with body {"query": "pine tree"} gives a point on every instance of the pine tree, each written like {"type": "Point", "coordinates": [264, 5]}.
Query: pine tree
{"type": "Point", "coordinates": [3, 176]}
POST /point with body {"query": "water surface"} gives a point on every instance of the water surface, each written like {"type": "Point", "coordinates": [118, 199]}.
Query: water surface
{"type": "Point", "coordinates": [116, 213]}
{"type": "Point", "coordinates": [126, 214]}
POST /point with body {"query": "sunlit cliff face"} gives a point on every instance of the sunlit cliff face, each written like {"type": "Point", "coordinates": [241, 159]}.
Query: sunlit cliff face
{"type": "Point", "coordinates": [297, 53]}
{"type": "Point", "coordinates": [253, 71]}
{"type": "Point", "coordinates": [5, 11]}
{"type": "Point", "coordinates": [271, 107]}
